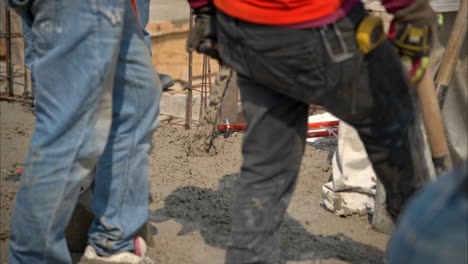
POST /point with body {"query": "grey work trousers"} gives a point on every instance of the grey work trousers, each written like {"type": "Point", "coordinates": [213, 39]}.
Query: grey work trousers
{"type": "Point", "coordinates": [280, 72]}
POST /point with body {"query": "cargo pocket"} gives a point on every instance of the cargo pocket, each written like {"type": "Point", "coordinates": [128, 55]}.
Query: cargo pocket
{"type": "Point", "coordinates": [46, 25]}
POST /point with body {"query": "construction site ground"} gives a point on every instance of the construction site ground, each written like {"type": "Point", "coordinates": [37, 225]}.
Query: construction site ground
{"type": "Point", "coordinates": [191, 196]}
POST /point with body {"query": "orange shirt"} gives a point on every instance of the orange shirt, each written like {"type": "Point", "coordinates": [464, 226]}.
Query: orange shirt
{"type": "Point", "coordinates": [278, 12]}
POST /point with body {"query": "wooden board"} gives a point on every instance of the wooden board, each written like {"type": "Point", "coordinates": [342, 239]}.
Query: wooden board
{"type": "Point", "coordinates": [2, 49]}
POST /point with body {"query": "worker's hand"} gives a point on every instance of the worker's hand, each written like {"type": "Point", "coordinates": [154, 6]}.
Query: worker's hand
{"type": "Point", "coordinates": [411, 32]}
{"type": "Point", "coordinates": [202, 37]}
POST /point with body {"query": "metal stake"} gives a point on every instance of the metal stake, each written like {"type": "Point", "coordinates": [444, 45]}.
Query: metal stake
{"type": "Point", "coordinates": [188, 110]}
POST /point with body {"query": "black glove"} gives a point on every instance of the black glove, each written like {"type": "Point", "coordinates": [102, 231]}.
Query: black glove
{"type": "Point", "coordinates": [202, 37]}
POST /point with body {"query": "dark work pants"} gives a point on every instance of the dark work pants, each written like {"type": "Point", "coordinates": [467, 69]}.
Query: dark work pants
{"type": "Point", "coordinates": [280, 72]}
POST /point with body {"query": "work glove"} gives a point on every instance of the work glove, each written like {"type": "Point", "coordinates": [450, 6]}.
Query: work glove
{"type": "Point", "coordinates": [411, 32]}
{"type": "Point", "coordinates": [202, 37]}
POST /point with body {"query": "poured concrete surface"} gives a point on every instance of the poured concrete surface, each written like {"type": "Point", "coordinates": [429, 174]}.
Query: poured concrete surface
{"type": "Point", "coordinates": [191, 197]}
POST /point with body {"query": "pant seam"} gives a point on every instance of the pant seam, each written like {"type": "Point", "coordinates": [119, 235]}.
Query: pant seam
{"type": "Point", "coordinates": [132, 87]}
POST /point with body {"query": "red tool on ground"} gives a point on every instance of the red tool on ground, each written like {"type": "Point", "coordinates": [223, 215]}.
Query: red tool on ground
{"type": "Point", "coordinates": [318, 129]}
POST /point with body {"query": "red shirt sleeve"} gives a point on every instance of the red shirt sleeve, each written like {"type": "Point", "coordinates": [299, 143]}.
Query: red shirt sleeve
{"type": "Point", "coordinates": [199, 3]}
{"type": "Point", "coordinates": [393, 6]}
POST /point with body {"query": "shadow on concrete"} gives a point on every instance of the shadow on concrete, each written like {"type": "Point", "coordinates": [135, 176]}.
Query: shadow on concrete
{"type": "Point", "coordinates": [13, 177]}
{"type": "Point", "coordinates": [208, 211]}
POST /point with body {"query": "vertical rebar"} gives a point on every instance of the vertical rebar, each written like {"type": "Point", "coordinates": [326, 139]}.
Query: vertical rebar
{"type": "Point", "coordinates": [188, 110]}
{"type": "Point", "coordinates": [25, 70]}
{"type": "Point", "coordinates": [203, 87]}
{"type": "Point", "coordinates": [209, 81]}
{"type": "Point", "coordinates": [9, 63]}
{"type": "Point", "coordinates": [208, 84]}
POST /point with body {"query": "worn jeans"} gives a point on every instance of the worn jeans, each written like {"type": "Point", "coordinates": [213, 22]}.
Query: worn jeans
{"type": "Point", "coordinates": [434, 227]}
{"type": "Point", "coordinates": [143, 7]}
{"type": "Point", "coordinates": [97, 98]}
{"type": "Point", "coordinates": [280, 72]}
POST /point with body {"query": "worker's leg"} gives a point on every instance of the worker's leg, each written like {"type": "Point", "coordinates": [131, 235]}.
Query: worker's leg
{"type": "Point", "coordinates": [273, 144]}
{"type": "Point", "coordinates": [121, 183]}
{"type": "Point", "coordinates": [143, 7]}
{"type": "Point", "coordinates": [75, 46]}
{"type": "Point", "coordinates": [375, 97]}
{"type": "Point", "coordinates": [304, 66]}
{"type": "Point", "coordinates": [385, 117]}
{"type": "Point", "coordinates": [272, 149]}
{"type": "Point", "coordinates": [433, 228]}
{"type": "Point", "coordinates": [369, 92]}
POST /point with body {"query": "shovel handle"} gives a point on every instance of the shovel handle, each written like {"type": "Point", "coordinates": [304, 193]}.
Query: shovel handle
{"type": "Point", "coordinates": [433, 123]}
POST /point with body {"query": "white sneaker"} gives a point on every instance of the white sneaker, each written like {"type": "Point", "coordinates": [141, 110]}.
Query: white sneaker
{"type": "Point", "coordinates": [138, 257]}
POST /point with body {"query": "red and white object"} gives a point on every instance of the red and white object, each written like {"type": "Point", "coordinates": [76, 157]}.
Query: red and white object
{"type": "Point", "coordinates": [322, 125]}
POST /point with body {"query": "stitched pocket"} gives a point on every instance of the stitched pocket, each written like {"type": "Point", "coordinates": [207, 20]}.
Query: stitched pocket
{"type": "Point", "coordinates": [46, 25]}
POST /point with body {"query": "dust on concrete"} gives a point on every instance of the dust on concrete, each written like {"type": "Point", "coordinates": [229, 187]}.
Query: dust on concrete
{"type": "Point", "coordinates": [16, 126]}
{"type": "Point", "coordinates": [191, 197]}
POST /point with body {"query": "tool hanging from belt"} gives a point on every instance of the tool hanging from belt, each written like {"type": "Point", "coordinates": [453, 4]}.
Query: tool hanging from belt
{"type": "Point", "coordinates": [370, 34]}
{"type": "Point", "coordinates": [413, 43]}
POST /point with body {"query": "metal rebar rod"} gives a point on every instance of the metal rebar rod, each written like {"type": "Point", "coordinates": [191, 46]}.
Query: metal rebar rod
{"type": "Point", "coordinates": [25, 71]}
{"type": "Point", "coordinates": [188, 110]}
{"type": "Point", "coordinates": [205, 73]}
{"type": "Point", "coordinates": [209, 82]}
{"type": "Point", "coordinates": [202, 90]}
{"type": "Point", "coordinates": [9, 63]}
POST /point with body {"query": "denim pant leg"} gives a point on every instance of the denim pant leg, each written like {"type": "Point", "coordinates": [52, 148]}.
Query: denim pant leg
{"type": "Point", "coordinates": [121, 182]}
{"type": "Point", "coordinates": [272, 149]}
{"type": "Point", "coordinates": [143, 7]}
{"type": "Point", "coordinates": [433, 228]}
{"type": "Point", "coordinates": [73, 71]}
{"type": "Point", "coordinates": [28, 51]}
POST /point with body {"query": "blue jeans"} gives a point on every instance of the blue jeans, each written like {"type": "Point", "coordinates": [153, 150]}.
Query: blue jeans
{"type": "Point", "coordinates": [97, 103]}
{"type": "Point", "coordinates": [143, 7]}
{"type": "Point", "coordinates": [434, 227]}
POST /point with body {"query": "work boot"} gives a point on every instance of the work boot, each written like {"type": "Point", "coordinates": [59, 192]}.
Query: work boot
{"type": "Point", "coordinates": [166, 81]}
{"type": "Point", "coordinates": [138, 257]}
